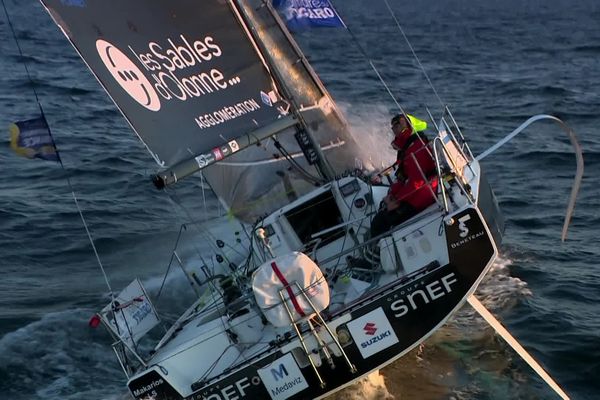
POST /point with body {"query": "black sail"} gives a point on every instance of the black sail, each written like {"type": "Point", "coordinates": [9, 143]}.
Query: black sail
{"type": "Point", "coordinates": [183, 72]}
{"type": "Point", "coordinates": [202, 81]}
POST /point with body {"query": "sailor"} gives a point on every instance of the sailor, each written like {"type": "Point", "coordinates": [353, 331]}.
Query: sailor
{"type": "Point", "coordinates": [416, 181]}
{"type": "Point", "coordinates": [406, 129]}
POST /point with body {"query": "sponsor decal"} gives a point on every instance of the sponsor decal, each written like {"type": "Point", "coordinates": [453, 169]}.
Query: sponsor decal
{"type": "Point", "coordinates": [306, 146]}
{"type": "Point", "coordinates": [225, 150]}
{"type": "Point", "coordinates": [235, 391]}
{"type": "Point", "coordinates": [370, 328]}
{"type": "Point", "coordinates": [204, 159]}
{"type": "Point", "coordinates": [283, 378]}
{"type": "Point", "coordinates": [414, 297]}
{"type": "Point", "coordinates": [266, 99]}
{"type": "Point", "coordinates": [466, 240]}
{"type": "Point", "coordinates": [176, 69]}
{"type": "Point", "coordinates": [142, 310]}
{"type": "Point", "coordinates": [226, 113]}
{"type": "Point", "coordinates": [148, 388]}
{"type": "Point", "coordinates": [234, 146]}
{"type": "Point", "coordinates": [372, 332]}
{"type": "Point", "coordinates": [269, 98]}
{"type": "Point", "coordinates": [218, 154]}
{"type": "Point", "coordinates": [128, 75]}
{"type": "Point", "coordinates": [464, 231]}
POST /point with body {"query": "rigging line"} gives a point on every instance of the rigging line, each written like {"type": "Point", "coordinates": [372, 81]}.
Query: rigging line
{"type": "Point", "coordinates": [173, 196]}
{"type": "Point", "coordinates": [379, 76]}
{"type": "Point", "coordinates": [12, 29]}
{"type": "Point", "coordinates": [170, 261]}
{"type": "Point", "coordinates": [393, 14]}
{"type": "Point", "coordinates": [278, 159]}
{"type": "Point", "coordinates": [295, 164]}
{"type": "Point", "coordinates": [89, 235]}
{"type": "Point", "coordinates": [196, 225]}
{"type": "Point", "coordinates": [203, 196]}
{"type": "Point", "coordinates": [87, 231]}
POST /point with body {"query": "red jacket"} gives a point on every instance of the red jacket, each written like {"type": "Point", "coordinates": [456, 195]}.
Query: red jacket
{"type": "Point", "coordinates": [416, 160]}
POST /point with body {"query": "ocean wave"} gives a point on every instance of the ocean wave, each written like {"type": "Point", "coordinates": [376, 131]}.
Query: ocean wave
{"type": "Point", "coordinates": [58, 358]}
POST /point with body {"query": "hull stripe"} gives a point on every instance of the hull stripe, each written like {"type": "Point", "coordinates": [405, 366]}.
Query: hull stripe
{"type": "Point", "coordinates": [289, 289]}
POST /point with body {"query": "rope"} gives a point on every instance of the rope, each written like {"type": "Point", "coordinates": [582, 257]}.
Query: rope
{"type": "Point", "coordinates": [393, 14]}
{"type": "Point", "coordinates": [170, 261]}
{"type": "Point", "coordinates": [379, 76]}
{"type": "Point", "coordinates": [57, 154]}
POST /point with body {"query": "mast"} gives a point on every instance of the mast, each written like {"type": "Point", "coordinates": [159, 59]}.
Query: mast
{"type": "Point", "coordinates": [305, 139]}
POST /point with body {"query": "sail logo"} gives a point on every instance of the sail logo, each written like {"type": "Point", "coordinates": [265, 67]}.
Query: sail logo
{"type": "Point", "coordinates": [184, 68]}
{"type": "Point", "coordinates": [372, 333]}
{"type": "Point", "coordinates": [266, 99]}
{"type": "Point", "coordinates": [370, 328]}
{"type": "Point", "coordinates": [283, 378]}
{"type": "Point", "coordinates": [128, 75]}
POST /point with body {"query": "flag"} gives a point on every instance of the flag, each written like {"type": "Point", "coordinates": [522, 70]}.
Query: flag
{"type": "Point", "coordinates": [32, 139]}
{"type": "Point", "coordinates": [131, 314]}
{"type": "Point", "coordinates": [303, 14]}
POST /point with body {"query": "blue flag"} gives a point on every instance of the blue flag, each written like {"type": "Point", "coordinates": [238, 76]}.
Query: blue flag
{"type": "Point", "coordinates": [32, 139]}
{"type": "Point", "coordinates": [303, 14]}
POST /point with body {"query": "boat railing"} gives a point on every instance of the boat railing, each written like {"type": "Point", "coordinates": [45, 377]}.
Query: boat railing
{"type": "Point", "coordinates": [463, 143]}
{"type": "Point", "coordinates": [443, 175]}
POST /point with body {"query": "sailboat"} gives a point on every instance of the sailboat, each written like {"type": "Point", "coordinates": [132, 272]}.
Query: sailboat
{"type": "Point", "coordinates": [316, 302]}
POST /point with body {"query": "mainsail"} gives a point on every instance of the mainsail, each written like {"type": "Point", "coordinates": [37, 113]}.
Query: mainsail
{"type": "Point", "coordinates": [199, 81]}
{"type": "Point", "coordinates": [182, 72]}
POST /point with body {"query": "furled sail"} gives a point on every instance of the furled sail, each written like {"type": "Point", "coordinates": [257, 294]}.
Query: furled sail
{"type": "Point", "coordinates": [183, 72]}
